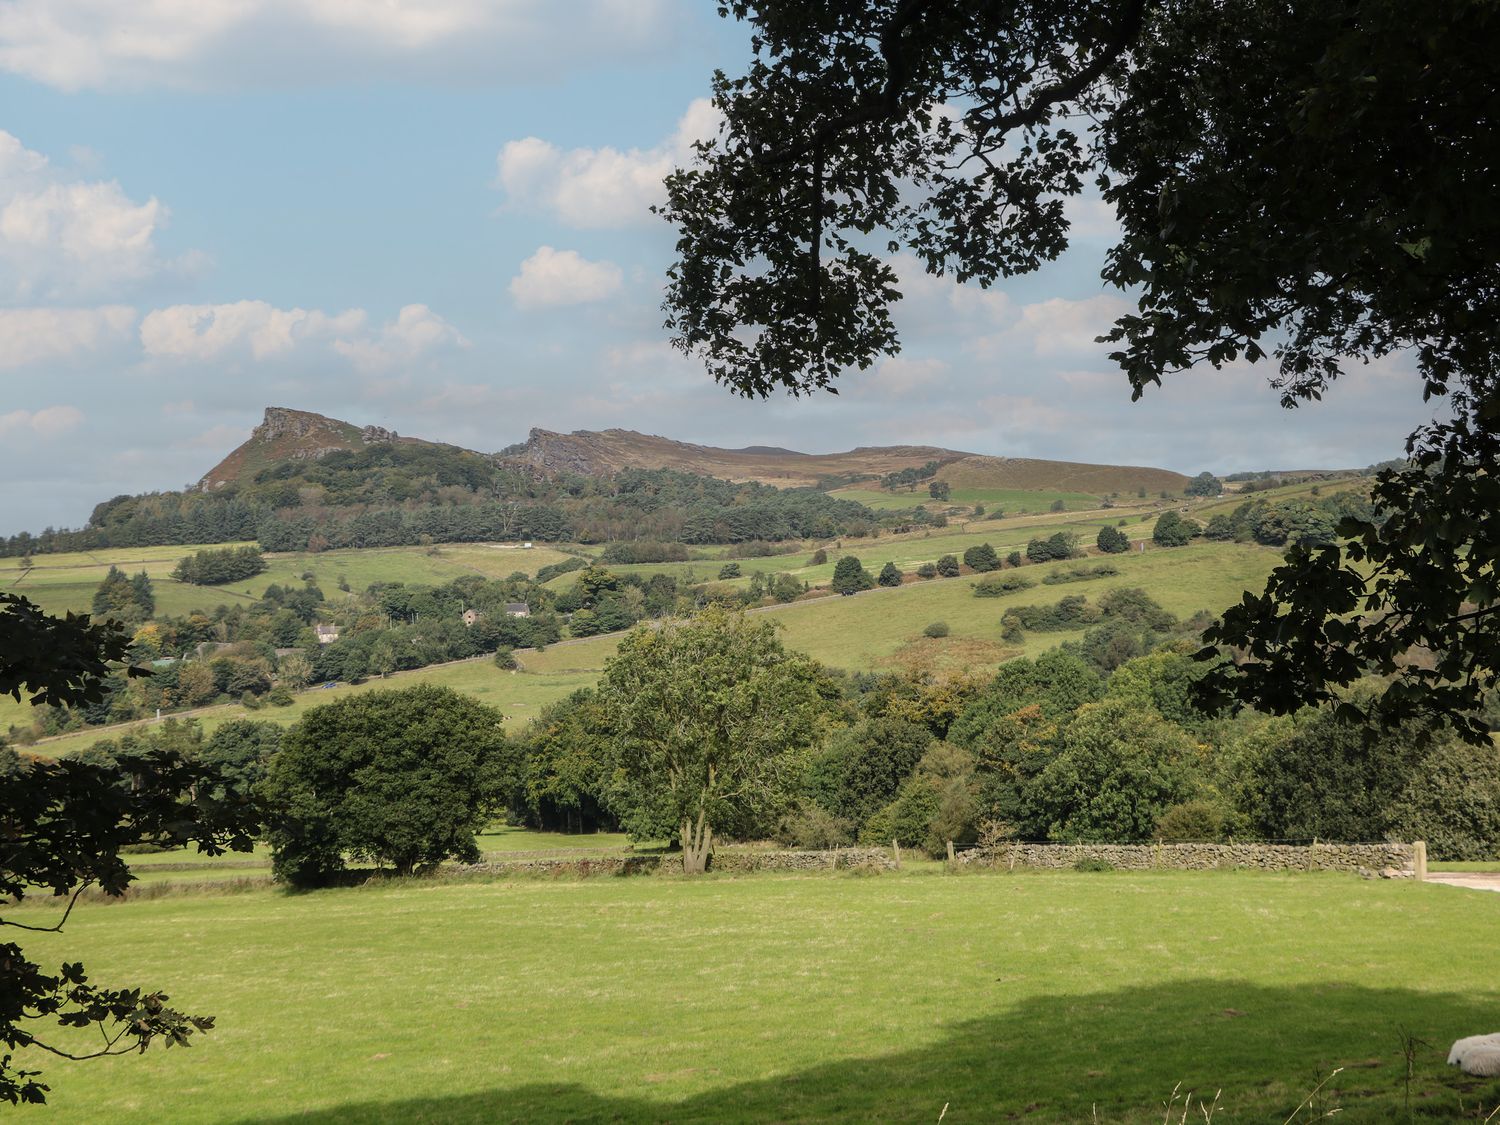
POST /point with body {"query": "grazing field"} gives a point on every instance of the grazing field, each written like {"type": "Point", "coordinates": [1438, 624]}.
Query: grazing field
{"type": "Point", "coordinates": [1059, 997]}
{"type": "Point", "coordinates": [63, 582]}
{"type": "Point", "coordinates": [879, 628]}
{"type": "Point", "coordinates": [1014, 501]}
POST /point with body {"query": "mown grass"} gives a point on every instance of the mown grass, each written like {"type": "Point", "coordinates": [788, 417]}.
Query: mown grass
{"type": "Point", "coordinates": [1046, 997]}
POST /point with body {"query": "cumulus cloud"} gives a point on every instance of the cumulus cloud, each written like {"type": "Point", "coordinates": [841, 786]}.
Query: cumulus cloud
{"type": "Point", "coordinates": [36, 335]}
{"type": "Point", "coordinates": [550, 278]}
{"type": "Point", "coordinates": [48, 422]}
{"type": "Point", "coordinates": [216, 44]}
{"type": "Point", "coordinates": [599, 187]}
{"type": "Point", "coordinates": [60, 236]}
{"type": "Point", "coordinates": [260, 331]}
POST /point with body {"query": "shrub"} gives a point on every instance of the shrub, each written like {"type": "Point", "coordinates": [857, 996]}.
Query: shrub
{"type": "Point", "coordinates": [1191, 822]}
{"type": "Point", "coordinates": [1173, 531]}
{"type": "Point", "coordinates": [505, 657]}
{"type": "Point", "coordinates": [947, 566]}
{"type": "Point", "coordinates": [936, 629]}
{"type": "Point", "coordinates": [1014, 558]}
{"type": "Point", "coordinates": [1063, 545]}
{"type": "Point", "coordinates": [1093, 863]}
{"type": "Point", "coordinates": [997, 585]}
{"type": "Point", "coordinates": [819, 557]}
{"type": "Point", "coordinates": [890, 575]}
{"type": "Point", "coordinates": [1080, 574]}
{"type": "Point", "coordinates": [809, 825]}
{"type": "Point", "coordinates": [729, 570]}
{"type": "Point", "coordinates": [850, 577]}
{"type": "Point", "coordinates": [927, 570]}
{"type": "Point", "coordinates": [1112, 541]}
{"type": "Point", "coordinates": [981, 558]}
{"type": "Point", "coordinates": [1059, 506]}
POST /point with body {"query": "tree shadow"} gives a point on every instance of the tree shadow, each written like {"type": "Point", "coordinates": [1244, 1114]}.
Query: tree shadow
{"type": "Point", "coordinates": [1108, 1057]}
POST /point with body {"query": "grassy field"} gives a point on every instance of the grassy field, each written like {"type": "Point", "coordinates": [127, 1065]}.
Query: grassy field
{"type": "Point", "coordinates": [1014, 501]}
{"type": "Point", "coordinates": [1056, 997]}
{"type": "Point", "coordinates": [67, 581]}
{"type": "Point", "coordinates": [879, 628]}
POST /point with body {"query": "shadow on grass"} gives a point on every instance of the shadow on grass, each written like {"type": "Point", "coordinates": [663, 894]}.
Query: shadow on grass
{"type": "Point", "coordinates": [1115, 1054]}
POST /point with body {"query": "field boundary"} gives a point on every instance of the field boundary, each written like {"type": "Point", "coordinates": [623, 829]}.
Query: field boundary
{"type": "Point", "coordinates": [1358, 858]}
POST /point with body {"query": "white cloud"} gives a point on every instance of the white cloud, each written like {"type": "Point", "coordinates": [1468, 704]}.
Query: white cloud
{"type": "Point", "coordinates": [417, 331]}
{"type": "Point", "coordinates": [62, 236]}
{"type": "Point", "coordinates": [49, 422]}
{"type": "Point", "coordinates": [563, 277]}
{"type": "Point", "coordinates": [259, 331]}
{"type": "Point", "coordinates": [40, 334]}
{"type": "Point", "coordinates": [1055, 327]}
{"type": "Point", "coordinates": [599, 187]}
{"type": "Point", "coordinates": [77, 44]}
{"type": "Point", "coordinates": [898, 377]}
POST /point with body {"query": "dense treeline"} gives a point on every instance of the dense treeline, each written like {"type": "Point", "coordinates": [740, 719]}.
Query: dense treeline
{"type": "Point", "coordinates": [1276, 523]}
{"type": "Point", "coordinates": [1084, 743]}
{"type": "Point", "coordinates": [401, 495]}
{"type": "Point", "coordinates": [217, 567]}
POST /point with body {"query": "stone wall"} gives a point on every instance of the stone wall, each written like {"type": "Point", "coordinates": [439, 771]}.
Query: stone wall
{"type": "Point", "coordinates": [724, 861]}
{"type": "Point", "coordinates": [1362, 858]}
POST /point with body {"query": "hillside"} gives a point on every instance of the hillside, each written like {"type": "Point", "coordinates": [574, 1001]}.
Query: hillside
{"type": "Point", "coordinates": [606, 452]}
{"type": "Point", "coordinates": [974, 471]}
{"type": "Point", "coordinates": [294, 435]}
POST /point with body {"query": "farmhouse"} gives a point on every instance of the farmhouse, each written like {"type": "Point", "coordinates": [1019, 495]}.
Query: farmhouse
{"type": "Point", "coordinates": [517, 609]}
{"type": "Point", "coordinates": [326, 634]}
{"type": "Point", "coordinates": [472, 616]}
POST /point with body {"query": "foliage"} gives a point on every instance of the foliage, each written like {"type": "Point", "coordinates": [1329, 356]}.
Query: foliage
{"type": "Point", "coordinates": [217, 567]}
{"type": "Point", "coordinates": [981, 558]}
{"type": "Point", "coordinates": [849, 577]}
{"type": "Point", "coordinates": [936, 804]}
{"type": "Point", "coordinates": [1119, 769]}
{"type": "Point", "coordinates": [890, 575]}
{"type": "Point", "coordinates": [710, 720]}
{"type": "Point", "coordinates": [1204, 484]}
{"type": "Point", "coordinates": [1062, 545]}
{"type": "Point", "coordinates": [940, 490]}
{"type": "Point", "coordinates": [947, 566]}
{"type": "Point", "coordinates": [862, 767]}
{"type": "Point", "coordinates": [997, 585]}
{"type": "Point", "coordinates": [936, 629]}
{"type": "Point", "coordinates": [61, 661]}
{"type": "Point", "coordinates": [1191, 822]}
{"type": "Point", "coordinates": [399, 777]}
{"type": "Point", "coordinates": [1068, 574]}
{"type": "Point", "coordinates": [568, 770]}
{"type": "Point", "coordinates": [240, 751]}
{"type": "Point", "coordinates": [1172, 530]}
{"type": "Point", "coordinates": [1112, 541]}
{"type": "Point", "coordinates": [927, 570]}
{"type": "Point", "coordinates": [126, 599]}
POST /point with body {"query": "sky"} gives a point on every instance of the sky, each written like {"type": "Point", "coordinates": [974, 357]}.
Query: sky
{"type": "Point", "coordinates": [433, 216]}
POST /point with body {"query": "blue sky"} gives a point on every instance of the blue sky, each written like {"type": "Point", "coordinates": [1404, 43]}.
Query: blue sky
{"type": "Point", "coordinates": [432, 215]}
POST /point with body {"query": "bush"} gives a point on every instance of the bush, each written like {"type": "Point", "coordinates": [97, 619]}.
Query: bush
{"type": "Point", "coordinates": [1014, 559]}
{"type": "Point", "coordinates": [280, 696]}
{"type": "Point", "coordinates": [505, 657]}
{"type": "Point", "coordinates": [1071, 612]}
{"type": "Point", "coordinates": [927, 570]}
{"type": "Point", "coordinates": [981, 558]}
{"type": "Point", "coordinates": [1173, 531]}
{"type": "Point", "coordinates": [819, 557]}
{"type": "Point", "coordinates": [216, 567]}
{"type": "Point", "coordinates": [890, 575]}
{"type": "Point", "coordinates": [1093, 863]}
{"type": "Point", "coordinates": [936, 629]}
{"type": "Point", "coordinates": [1059, 506]}
{"type": "Point", "coordinates": [947, 566]}
{"type": "Point", "coordinates": [809, 825]}
{"type": "Point", "coordinates": [1112, 541]}
{"type": "Point", "coordinates": [1191, 822]}
{"type": "Point", "coordinates": [996, 585]}
{"type": "Point", "coordinates": [850, 577]}
{"type": "Point", "coordinates": [1080, 574]}
{"type": "Point", "coordinates": [729, 570]}
{"type": "Point", "coordinates": [1063, 545]}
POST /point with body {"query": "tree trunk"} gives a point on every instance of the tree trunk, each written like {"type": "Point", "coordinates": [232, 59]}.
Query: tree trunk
{"type": "Point", "coordinates": [697, 845]}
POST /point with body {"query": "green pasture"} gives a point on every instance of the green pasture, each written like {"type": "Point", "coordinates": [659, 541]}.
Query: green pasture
{"type": "Point", "coordinates": [1056, 997]}
{"type": "Point", "coordinates": [63, 582]}
{"type": "Point", "coordinates": [1013, 501]}
{"type": "Point", "coordinates": [876, 629]}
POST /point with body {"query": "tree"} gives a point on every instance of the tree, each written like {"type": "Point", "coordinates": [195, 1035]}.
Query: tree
{"type": "Point", "coordinates": [1360, 153]}
{"type": "Point", "coordinates": [981, 558]}
{"type": "Point", "coordinates": [849, 577]}
{"type": "Point", "coordinates": [890, 575]}
{"type": "Point", "coordinates": [940, 490]}
{"type": "Point", "coordinates": [1172, 530]}
{"type": "Point", "coordinates": [65, 823]}
{"type": "Point", "coordinates": [240, 752]}
{"type": "Point", "coordinates": [1112, 541]}
{"type": "Point", "coordinates": [947, 566]}
{"type": "Point", "coordinates": [711, 720]}
{"type": "Point", "coordinates": [403, 778]}
{"type": "Point", "coordinates": [1204, 484]}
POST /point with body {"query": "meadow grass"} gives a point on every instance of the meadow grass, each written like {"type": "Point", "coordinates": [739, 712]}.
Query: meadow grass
{"type": "Point", "coordinates": [1013, 501]}
{"type": "Point", "coordinates": [1057, 997]}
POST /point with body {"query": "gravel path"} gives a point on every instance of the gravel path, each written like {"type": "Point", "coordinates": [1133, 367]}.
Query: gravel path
{"type": "Point", "coordinates": [1474, 880]}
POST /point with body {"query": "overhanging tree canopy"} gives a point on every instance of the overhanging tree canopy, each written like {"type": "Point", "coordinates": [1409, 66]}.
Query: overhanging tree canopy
{"type": "Point", "coordinates": [1310, 181]}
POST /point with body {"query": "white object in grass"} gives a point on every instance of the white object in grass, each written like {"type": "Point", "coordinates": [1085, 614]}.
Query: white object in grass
{"type": "Point", "coordinates": [1478, 1055]}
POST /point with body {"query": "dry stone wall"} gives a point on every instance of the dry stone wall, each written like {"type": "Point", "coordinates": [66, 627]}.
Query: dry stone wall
{"type": "Point", "coordinates": [1360, 858]}
{"type": "Point", "coordinates": [725, 861]}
